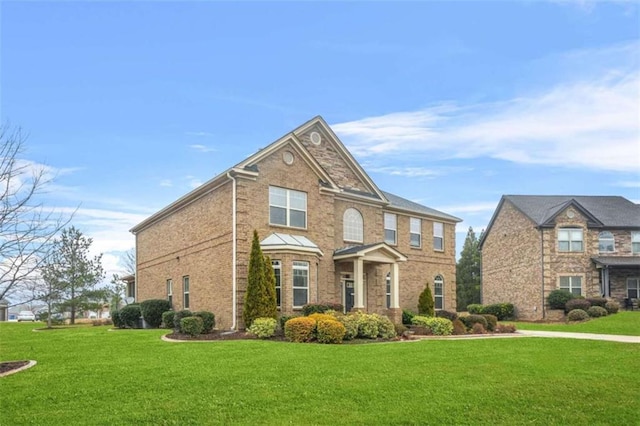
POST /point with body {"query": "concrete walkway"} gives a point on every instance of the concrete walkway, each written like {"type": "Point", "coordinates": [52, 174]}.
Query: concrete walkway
{"type": "Point", "coordinates": [587, 336]}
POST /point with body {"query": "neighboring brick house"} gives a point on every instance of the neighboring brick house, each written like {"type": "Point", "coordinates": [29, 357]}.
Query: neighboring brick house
{"type": "Point", "coordinates": [331, 234]}
{"type": "Point", "coordinates": [589, 245]}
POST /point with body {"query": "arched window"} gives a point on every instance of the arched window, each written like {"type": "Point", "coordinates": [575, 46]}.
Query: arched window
{"type": "Point", "coordinates": [352, 226]}
{"type": "Point", "coordinates": [606, 242]}
{"type": "Point", "coordinates": [438, 292]}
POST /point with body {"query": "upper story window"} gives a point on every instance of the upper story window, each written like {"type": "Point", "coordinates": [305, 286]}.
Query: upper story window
{"type": "Point", "coordinates": [415, 232]}
{"type": "Point", "coordinates": [390, 228]}
{"type": "Point", "coordinates": [277, 271]}
{"type": "Point", "coordinates": [438, 292]}
{"type": "Point", "coordinates": [635, 242]}
{"type": "Point", "coordinates": [438, 236]}
{"type": "Point", "coordinates": [353, 227]}
{"type": "Point", "coordinates": [606, 242]}
{"type": "Point", "coordinates": [170, 291]}
{"type": "Point", "coordinates": [570, 239]}
{"type": "Point", "coordinates": [287, 207]}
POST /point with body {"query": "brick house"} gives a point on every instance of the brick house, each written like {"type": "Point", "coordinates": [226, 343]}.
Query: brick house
{"type": "Point", "coordinates": [589, 245]}
{"type": "Point", "coordinates": [331, 233]}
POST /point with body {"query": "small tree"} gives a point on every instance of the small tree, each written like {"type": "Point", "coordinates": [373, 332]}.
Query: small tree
{"type": "Point", "coordinates": [468, 272]}
{"type": "Point", "coordinates": [260, 298]}
{"type": "Point", "coordinates": [425, 302]}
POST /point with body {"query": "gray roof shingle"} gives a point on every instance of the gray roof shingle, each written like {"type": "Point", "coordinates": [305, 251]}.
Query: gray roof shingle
{"type": "Point", "coordinates": [404, 204]}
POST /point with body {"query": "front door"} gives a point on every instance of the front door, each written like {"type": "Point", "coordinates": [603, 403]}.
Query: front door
{"type": "Point", "coordinates": [348, 295]}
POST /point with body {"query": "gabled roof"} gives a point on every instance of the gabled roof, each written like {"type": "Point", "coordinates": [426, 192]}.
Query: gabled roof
{"type": "Point", "coordinates": [601, 211]}
{"type": "Point", "coordinates": [366, 249]}
{"type": "Point", "coordinates": [620, 261]}
{"type": "Point", "coordinates": [410, 206]}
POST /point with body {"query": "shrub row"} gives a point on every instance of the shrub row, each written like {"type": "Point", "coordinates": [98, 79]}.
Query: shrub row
{"type": "Point", "coordinates": [563, 299]}
{"type": "Point", "coordinates": [436, 326]}
{"type": "Point", "coordinates": [502, 311]}
{"type": "Point", "coordinates": [320, 308]}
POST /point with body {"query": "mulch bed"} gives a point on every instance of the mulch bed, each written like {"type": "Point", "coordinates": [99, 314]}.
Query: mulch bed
{"type": "Point", "coordinates": [221, 335]}
{"type": "Point", "coordinates": [8, 366]}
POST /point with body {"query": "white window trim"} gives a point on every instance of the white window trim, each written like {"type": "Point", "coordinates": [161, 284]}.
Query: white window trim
{"type": "Point", "coordinates": [394, 229]}
{"type": "Point", "coordinates": [571, 286]}
{"type": "Point", "coordinates": [288, 208]}
{"type": "Point", "coordinates": [352, 226]}
{"type": "Point", "coordinates": [277, 265]}
{"type": "Point", "coordinates": [438, 280]}
{"type": "Point", "coordinates": [637, 287]}
{"type": "Point", "coordinates": [300, 266]}
{"type": "Point", "coordinates": [438, 235]}
{"type": "Point", "coordinates": [412, 221]}
{"type": "Point", "coordinates": [571, 231]}
{"type": "Point", "coordinates": [186, 290]}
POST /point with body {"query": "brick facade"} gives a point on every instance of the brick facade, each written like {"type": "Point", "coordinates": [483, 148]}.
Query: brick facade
{"type": "Point", "coordinates": [194, 236]}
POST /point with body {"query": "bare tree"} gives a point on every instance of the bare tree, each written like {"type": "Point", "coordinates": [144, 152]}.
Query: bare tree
{"type": "Point", "coordinates": [130, 261]}
{"type": "Point", "coordinates": [27, 228]}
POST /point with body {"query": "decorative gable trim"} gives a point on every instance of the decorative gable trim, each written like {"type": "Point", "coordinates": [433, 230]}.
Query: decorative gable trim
{"type": "Point", "coordinates": [369, 250]}
{"type": "Point", "coordinates": [592, 221]}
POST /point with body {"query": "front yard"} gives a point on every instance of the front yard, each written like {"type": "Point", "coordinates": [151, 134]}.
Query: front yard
{"type": "Point", "coordinates": [89, 375]}
{"type": "Point", "coordinates": [626, 323]}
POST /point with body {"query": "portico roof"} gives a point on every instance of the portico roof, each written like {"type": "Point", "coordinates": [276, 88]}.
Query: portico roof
{"type": "Point", "coordinates": [380, 252]}
{"type": "Point", "coordinates": [620, 261]}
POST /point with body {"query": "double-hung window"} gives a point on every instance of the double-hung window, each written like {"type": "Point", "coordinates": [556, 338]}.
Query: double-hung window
{"type": "Point", "coordinates": [287, 207]}
{"type": "Point", "coordinates": [572, 284]}
{"type": "Point", "coordinates": [415, 232]}
{"type": "Point", "coordinates": [277, 271]}
{"type": "Point", "coordinates": [438, 236]}
{"type": "Point", "coordinates": [170, 291]}
{"type": "Point", "coordinates": [570, 239]}
{"type": "Point", "coordinates": [606, 242]}
{"type": "Point", "coordinates": [438, 292]}
{"type": "Point", "coordinates": [185, 292]}
{"type": "Point", "coordinates": [635, 242]}
{"type": "Point", "coordinates": [300, 284]}
{"type": "Point", "coordinates": [633, 288]}
{"type": "Point", "coordinates": [390, 228]}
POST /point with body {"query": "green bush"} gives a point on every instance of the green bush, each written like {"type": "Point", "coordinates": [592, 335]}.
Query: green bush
{"type": "Point", "coordinates": [317, 317]}
{"type": "Point", "coordinates": [350, 323]}
{"type": "Point", "coordinates": [470, 320]}
{"type": "Point", "coordinates": [386, 329]}
{"type": "Point", "coordinates": [577, 315]}
{"type": "Point", "coordinates": [425, 302]}
{"type": "Point", "coordinates": [458, 328]}
{"type": "Point", "coordinates": [321, 308]}
{"type": "Point", "coordinates": [167, 319]}
{"type": "Point", "coordinates": [420, 320]}
{"type": "Point", "coordinates": [557, 299]}
{"type": "Point", "coordinates": [492, 321]}
{"type": "Point", "coordinates": [577, 304]}
{"type": "Point", "coordinates": [191, 325]}
{"type": "Point", "coordinates": [152, 311]}
{"type": "Point", "coordinates": [407, 316]}
{"type": "Point", "coordinates": [177, 319]}
{"type": "Point", "coordinates": [474, 308]}
{"type": "Point", "coordinates": [502, 311]}
{"type": "Point", "coordinates": [130, 316]}
{"type": "Point", "coordinates": [208, 321]}
{"type": "Point", "coordinates": [597, 301]}
{"type": "Point", "coordinates": [367, 326]}
{"type": "Point", "coordinates": [612, 307]}
{"type": "Point", "coordinates": [451, 316]}
{"type": "Point", "coordinates": [330, 331]}
{"type": "Point", "coordinates": [440, 326]}
{"type": "Point", "coordinates": [300, 329]}
{"type": "Point", "coordinates": [597, 311]}
{"type": "Point", "coordinates": [264, 327]}
{"type": "Point", "coordinates": [115, 317]}
{"type": "Point", "coordinates": [400, 329]}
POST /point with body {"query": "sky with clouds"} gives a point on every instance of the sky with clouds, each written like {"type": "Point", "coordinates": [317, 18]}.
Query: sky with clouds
{"type": "Point", "coordinates": [130, 105]}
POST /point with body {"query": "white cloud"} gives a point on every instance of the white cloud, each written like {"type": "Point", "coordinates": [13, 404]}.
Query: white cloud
{"type": "Point", "coordinates": [628, 184]}
{"type": "Point", "coordinates": [585, 123]}
{"type": "Point", "coordinates": [166, 183]}
{"type": "Point", "coordinates": [202, 148]}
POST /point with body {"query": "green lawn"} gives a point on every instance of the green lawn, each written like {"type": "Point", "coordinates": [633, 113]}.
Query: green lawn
{"type": "Point", "coordinates": [89, 375]}
{"type": "Point", "coordinates": [624, 323]}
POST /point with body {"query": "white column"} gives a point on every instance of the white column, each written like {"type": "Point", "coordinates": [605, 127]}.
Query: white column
{"type": "Point", "coordinates": [358, 285]}
{"type": "Point", "coordinates": [395, 286]}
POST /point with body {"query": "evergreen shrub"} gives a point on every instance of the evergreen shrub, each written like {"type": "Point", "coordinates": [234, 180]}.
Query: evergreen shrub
{"type": "Point", "coordinates": [177, 319]}
{"type": "Point", "coordinates": [478, 328]}
{"type": "Point", "coordinates": [191, 325]}
{"type": "Point", "coordinates": [264, 327]}
{"type": "Point", "coordinates": [502, 311]}
{"type": "Point", "coordinates": [458, 327]}
{"type": "Point", "coordinates": [130, 316]}
{"type": "Point", "coordinates": [492, 321]}
{"type": "Point", "coordinates": [330, 331]}
{"type": "Point", "coordinates": [350, 323]}
{"type": "Point", "coordinates": [577, 304]}
{"type": "Point", "coordinates": [300, 329]}
{"type": "Point", "coordinates": [208, 321]}
{"type": "Point", "coordinates": [474, 308]}
{"type": "Point", "coordinates": [577, 315]}
{"type": "Point", "coordinates": [320, 308]}
{"type": "Point", "coordinates": [451, 316]}
{"type": "Point", "coordinates": [153, 309]}
{"type": "Point", "coordinates": [167, 319]}
{"type": "Point", "coordinates": [612, 307]}
{"type": "Point", "coordinates": [597, 301]}
{"type": "Point", "coordinates": [557, 299]}
{"type": "Point", "coordinates": [470, 320]}
{"type": "Point", "coordinates": [407, 316]}
{"type": "Point", "coordinates": [115, 317]}
{"type": "Point", "coordinates": [425, 302]}
{"type": "Point", "coordinates": [597, 311]}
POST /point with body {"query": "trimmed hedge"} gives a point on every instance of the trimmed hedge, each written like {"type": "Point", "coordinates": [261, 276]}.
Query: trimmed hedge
{"type": "Point", "coordinates": [577, 315]}
{"type": "Point", "coordinates": [611, 306]}
{"type": "Point", "coordinates": [300, 329]}
{"type": "Point", "coordinates": [502, 311]}
{"type": "Point", "coordinates": [597, 301]}
{"type": "Point", "coordinates": [208, 321]}
{"type": "Point", "coordinates": [478, 328]}
{"type": "Point", "coordinates": [577, 304]}
{"type": "Point", "coordinates": [167, 319]}
{"type": "Point", "coordinates": [320, 308]}
{"type": "Point", "coordinates": [177, 319]}
{"type": "Point", "coordinates": [263, 327]}
{"type": "Point", "coordinates": [350, 323]}
{"type": "Point", "coordinates": [451, 316]}
{"type": "Point", "coordinates": [470, 320]}
{"type": "Point", "coordinates": [130, 316]}
{"type": "Point", "coordinates": [492, 321]}
{"type": "Point", "coordinates": [386, 329]}
{"type": "Point", "coordinates": [322, 317]}
{"type": "Point", "coordinates": [597, 311]}
{"type": "Point", "coordinates": [330, 331]}
{"type": "Point", "coordinates": [557, 299]}
{"type": "Point", "coordinates": [367, 325]}
{"type": "Point", "coordinates": [407, 316]}
{"type": "Point", "coordinates": [474, 308]}
{"type": "Point", "coordinates": [115, 317]}
{"type": "Point", "coordinates": [153, 309]}
{"type": "Point", "coordinates": [458, 328]}
{"type": "Point", "coordinates": [191, 325]}
{"type": "Point", "coordinates": [436, 326]}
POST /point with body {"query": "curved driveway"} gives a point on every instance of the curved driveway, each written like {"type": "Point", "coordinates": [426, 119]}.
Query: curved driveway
{"type": "Point", "coordinates": [587, 336]}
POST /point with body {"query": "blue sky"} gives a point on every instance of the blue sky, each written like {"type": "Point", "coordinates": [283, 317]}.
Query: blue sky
{"type": "Point", "coordinates": [451, 104]}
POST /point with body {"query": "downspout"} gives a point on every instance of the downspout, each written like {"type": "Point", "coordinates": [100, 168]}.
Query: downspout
{"type": "Point", "coordinates": [544, 311]}
{"type": "Point", "coordinates": [233, 253]}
